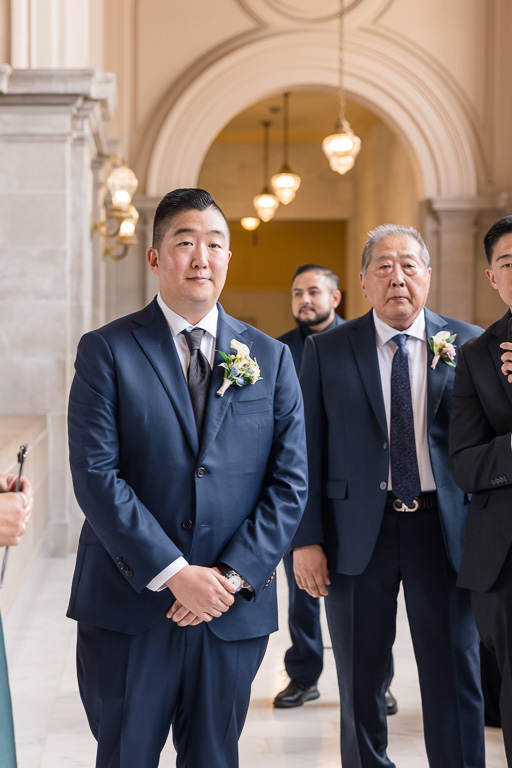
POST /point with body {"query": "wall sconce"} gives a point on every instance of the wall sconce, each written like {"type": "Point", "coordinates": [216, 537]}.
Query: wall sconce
{"type": "Point", "coordinates": [117, 231]}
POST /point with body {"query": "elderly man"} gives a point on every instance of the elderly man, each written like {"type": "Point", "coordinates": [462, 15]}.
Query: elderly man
{"type": "Point", "coordinates": [481, 460]}
{"type": "Point", "coordinates": [192, 477]}
{"type": "Point", "coordinates": [383, 509]}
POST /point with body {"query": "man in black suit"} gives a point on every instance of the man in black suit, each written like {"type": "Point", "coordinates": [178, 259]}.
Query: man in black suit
{"type": "Point", "coordinates": [315, 297]}
{"type": "Point", "coordinates": [383, 509]}
{"type": "Point", "coordinates": [481, 461]}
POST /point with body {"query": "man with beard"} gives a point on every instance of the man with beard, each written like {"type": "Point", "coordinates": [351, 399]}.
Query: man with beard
{"type": "Point", "coordinates": [315, 296]}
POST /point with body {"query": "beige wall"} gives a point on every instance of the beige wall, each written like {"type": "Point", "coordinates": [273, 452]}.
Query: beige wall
{"type": "Point", "coordinates": [384, 192]}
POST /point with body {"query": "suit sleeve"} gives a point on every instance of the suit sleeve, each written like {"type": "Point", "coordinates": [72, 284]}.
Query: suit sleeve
{"type": "Point", "coordinates": [260, 542]}
{"type": "Point", "coordinates": [477, 454]}
{"type": "Point", "coordinates": [125, 527]}
{"type": "Point", "coordinates": [310, 530]}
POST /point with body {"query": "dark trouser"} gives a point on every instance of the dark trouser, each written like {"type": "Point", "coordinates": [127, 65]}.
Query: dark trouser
{"type": "Point", "coordinates": [493, 614]}
{"type": "Point", "coordinates": [134, 687]}
{"type": "Point", "coordinates": [304, 660]}
{"type": "Point", "coordinates": [361, 611]}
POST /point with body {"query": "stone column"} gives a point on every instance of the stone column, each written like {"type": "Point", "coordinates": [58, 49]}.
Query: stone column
{"type": "Point", "coordinates": [51, 131]}
{"type": "Point", "coordinates": [453, 229]}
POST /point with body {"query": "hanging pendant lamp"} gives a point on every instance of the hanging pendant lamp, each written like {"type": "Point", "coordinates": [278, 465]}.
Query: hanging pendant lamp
{"type": "Point", "coordinates": [342, 147]}
{"type": "Point", "coordinates": [266, 203]}
{"type": "Point", "coordinates": [285, 183]}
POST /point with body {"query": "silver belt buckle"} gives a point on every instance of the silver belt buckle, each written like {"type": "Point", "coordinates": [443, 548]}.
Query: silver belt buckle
{"type": "Point", "coordinates": [399, 506]}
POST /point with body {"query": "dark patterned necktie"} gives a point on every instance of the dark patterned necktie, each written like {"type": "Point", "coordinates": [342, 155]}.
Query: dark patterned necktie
{"type": "Point", "coordinates": [199, 373]}
{"type": "Point", "coordinates": [405, 476]}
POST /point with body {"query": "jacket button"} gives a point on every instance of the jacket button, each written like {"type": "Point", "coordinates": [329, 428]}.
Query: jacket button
{"type": "Point", "coordinates": [187, 524]}
{"type": "Point", "coordinates": [385, 446]}
{"type": "Point", "coordinates": [383, 486]}
{"type": "Point", "coordinates": [129, 573]}
{"type": "Point", "coordinates": [120, 563]}
{"type": "Point", "coordinates": [201, 472]}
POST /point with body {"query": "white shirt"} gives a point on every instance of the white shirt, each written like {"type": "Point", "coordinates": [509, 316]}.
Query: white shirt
{"type": "Point", "coordinates": [417, 352]}
{"type": "Point", "coordinates": [177, 324]}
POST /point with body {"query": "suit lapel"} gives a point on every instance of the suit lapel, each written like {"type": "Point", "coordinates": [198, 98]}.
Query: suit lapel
{"type": "Point", "coordinates": [437, 377]}
{"type": "Point", "coordinates": [362, 339]}
{"type": "Point", "coordinates": [499, 335]}
{"type": "Point", "coordinates": [216, 408]}
{"type": "Point", "coordinates": [155, 338]}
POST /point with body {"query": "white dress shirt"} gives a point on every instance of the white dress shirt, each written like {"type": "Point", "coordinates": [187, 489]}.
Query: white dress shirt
{"type": "Point", "coordinates": [177, 325]}
{"type": "Point", "coordinates": [417, 352]}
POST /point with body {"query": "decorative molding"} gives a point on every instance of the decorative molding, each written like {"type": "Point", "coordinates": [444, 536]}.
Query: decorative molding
{"type": "Point", "coordinates": [388, 77]}
{"type": "Point", "coordinates": [299, 12]}
{"type": "Point", "coordinates": [90, 83]}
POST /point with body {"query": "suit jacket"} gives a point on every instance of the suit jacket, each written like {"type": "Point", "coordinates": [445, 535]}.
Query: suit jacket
{"type": "Point", "coordinates": [481, 455]}
{"type": "Point", "coordinates": [347, 438]}
{"type": "Point", "coordinates": [151, 492]}
{"type": "Point", "coordinates": [295, 340]}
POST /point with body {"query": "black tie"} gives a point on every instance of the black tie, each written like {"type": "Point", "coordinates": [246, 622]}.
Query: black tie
{"type": "Point", "coordinates": [405, 477]}
{"type": "Point", "coordinates": [199, 373]}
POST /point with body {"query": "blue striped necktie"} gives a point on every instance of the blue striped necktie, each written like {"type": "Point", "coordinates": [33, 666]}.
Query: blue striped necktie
{"type": "Point", "coordinates": [405, 476]}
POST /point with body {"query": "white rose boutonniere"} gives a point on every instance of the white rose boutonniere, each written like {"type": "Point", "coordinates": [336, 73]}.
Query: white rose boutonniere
{"type": "Point", "coordinates": [239, 369]}
{"type": "Point", "coordinates": [443, 348]}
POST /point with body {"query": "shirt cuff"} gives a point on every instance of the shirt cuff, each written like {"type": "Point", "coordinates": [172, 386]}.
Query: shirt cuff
{"type": "Point", "coordinates": [158, 583]}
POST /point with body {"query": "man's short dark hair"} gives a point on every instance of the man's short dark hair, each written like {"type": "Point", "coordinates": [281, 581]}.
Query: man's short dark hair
{"type": "Point", "coordinates": [499, 228]}
{"type": "Point", "coordinates": [178, 201]}
{"type": "Point", "coordinates": [325, 271]}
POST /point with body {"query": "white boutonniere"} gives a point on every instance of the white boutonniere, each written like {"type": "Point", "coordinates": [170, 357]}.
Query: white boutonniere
{"type": "Point", "coordinates": [443, 348]}
{"type": "Point", "coordinates": [239, 369]}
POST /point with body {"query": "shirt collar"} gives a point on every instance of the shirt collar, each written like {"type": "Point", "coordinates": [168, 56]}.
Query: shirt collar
{"type": "Point", "coordinates": [177, 323]}
{"type": "Point", "coordinates": [384, 332]}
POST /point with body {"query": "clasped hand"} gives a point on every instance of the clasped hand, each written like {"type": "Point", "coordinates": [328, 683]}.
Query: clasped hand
{"type": "Point", "coordinates": [506, 359]}
{"type": "Point", "coordinates": [201, 595]}
{"type": "Point", "coordinates": [14, 509]}
{"type": "Point", "coordinates": [310, 569]}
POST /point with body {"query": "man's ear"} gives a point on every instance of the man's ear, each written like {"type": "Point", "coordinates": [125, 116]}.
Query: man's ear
{"type": "Point", "coordinates": [492, 279]}
{"type": "Point", "coordinates": [152, 257]}
{"type": "Point", "coordinates": [335, 298]}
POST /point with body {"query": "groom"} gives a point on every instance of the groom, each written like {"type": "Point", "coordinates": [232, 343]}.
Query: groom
{"type": "Point", "coordinates": [190, 499]}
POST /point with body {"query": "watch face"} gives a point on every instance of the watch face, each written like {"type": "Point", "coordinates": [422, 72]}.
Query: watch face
{"type": "Point", "coordinates": [235, 580]}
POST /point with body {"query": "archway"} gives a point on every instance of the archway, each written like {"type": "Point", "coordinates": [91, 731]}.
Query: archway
{"type": "Point", "coordinates": [417, 100]}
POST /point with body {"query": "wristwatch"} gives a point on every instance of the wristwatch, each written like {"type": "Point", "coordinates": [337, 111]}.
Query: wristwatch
{"type": "Point", "coordinates": [234, 578]}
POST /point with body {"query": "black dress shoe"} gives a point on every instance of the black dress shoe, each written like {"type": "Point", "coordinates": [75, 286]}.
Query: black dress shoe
{"type": "Point", "coordinates": [391, 705]}
{"type": "Point", "coordinates": [295, 694]}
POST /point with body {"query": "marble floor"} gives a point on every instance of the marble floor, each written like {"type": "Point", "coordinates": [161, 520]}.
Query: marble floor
{"type": "Point", "coordinates": [52, 731]}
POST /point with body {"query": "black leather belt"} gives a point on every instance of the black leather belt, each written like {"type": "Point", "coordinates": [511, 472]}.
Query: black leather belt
{"type": "Point", "coordinates": [423, 501]}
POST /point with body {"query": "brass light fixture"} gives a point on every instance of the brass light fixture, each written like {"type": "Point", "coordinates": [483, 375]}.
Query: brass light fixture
{"type": "Point", "coordinates": [117, 231]}
{"type": "Point", "coordinates": [342, 147]}
{"type": "Point", "coordinates": [266, 203]}
{"type": "Point", "coordinates": [285, 183]}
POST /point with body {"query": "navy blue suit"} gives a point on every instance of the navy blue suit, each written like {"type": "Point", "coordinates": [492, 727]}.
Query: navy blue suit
{"type": "Point", "coordinates": [304, 659]}
{"type": "Point", "coordinates": [151, 492]}
{"type": "Point", "coordinates": [370, 551]}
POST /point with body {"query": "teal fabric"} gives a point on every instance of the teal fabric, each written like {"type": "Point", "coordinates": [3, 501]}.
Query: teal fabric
{"type": "Point", "coordinates": [7, 748]}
